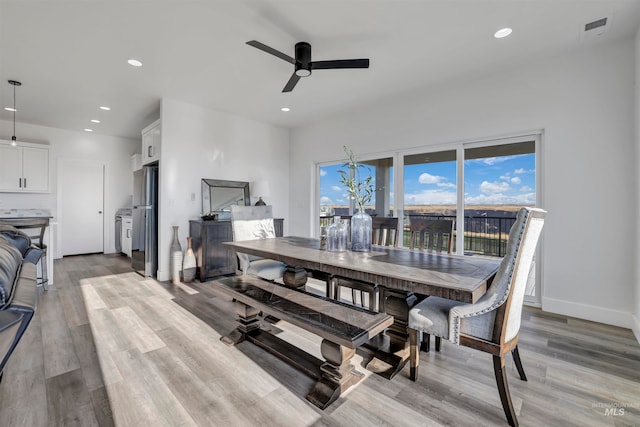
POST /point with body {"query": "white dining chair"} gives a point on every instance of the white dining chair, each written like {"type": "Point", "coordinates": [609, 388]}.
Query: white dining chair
{"type": "Point", "coordinates": [492, 324]}
{"type": "Point", "coordinates": [252, 223]}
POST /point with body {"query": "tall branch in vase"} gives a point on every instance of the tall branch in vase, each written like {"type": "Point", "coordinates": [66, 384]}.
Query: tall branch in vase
{"type": "Point", "coordinates": [360, 191]}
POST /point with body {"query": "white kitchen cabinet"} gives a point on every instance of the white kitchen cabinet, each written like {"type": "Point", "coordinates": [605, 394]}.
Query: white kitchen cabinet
{"type": "Point", "coordinates": [24, 168]}
{"type": "Point", "coordinates": [151, 143]}
{"type": "Point", "coordinates": [126, 237]}
{"type": "Point", "coordinates": [136, 162]}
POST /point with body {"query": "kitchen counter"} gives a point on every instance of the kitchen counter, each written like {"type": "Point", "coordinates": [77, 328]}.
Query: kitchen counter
{"type": "Point", "coordinates": [25, 213]}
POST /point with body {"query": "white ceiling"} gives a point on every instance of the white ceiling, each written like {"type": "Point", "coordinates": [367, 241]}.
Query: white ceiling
{"type": "Point", "coordinates": [71, 55]}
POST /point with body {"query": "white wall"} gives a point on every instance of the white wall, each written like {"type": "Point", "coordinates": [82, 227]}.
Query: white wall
{"type": "Point", "coordinates": [200, 143]}
{"type": "Point", "coordinates": [636, 317]}
{"type": "Point", "coordinates": [64, 144]}
{"type": "Point", "coordinates": [584, 102]}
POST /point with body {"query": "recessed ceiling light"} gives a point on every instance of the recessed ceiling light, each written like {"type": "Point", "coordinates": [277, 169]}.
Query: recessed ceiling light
{"type": "Point", "coordinates": [285, 109]}
{"type": "Point", "coordinates": [95, 121]}
{"type": "Point", "coordinates": [10, 109]}
{"type": "Point", "coordinates": [88, 130]}
{"type": "Point", "coordinates": [105, 108]}
{"type": "Point", "coordinates": [134, 63]}
{"type": "Point", "coordinates": [503, 32]}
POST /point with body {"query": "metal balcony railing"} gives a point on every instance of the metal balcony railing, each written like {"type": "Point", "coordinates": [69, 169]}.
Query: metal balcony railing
{"type": "Point", "coordinates": [483, 234]}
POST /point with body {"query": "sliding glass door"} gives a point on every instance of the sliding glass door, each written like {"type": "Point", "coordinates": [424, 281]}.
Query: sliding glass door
{"type": "Point", "coordinates": [479, 185]}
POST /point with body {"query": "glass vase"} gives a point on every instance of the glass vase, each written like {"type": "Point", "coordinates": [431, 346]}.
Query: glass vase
{"type": "Point", "coordinates": [337, 236]}
{"type": "Point", "coordinates": [361, 231]}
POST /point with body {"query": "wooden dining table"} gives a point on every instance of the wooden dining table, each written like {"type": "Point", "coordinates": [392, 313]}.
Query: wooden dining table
{"type": "Point", "coordinates": [400, 273]}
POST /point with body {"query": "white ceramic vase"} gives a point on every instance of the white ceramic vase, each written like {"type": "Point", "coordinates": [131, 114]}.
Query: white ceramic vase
{"type": "Point", "coordinates": [189, 264]}
{"type": "Point", "coordinates": [176, 256]}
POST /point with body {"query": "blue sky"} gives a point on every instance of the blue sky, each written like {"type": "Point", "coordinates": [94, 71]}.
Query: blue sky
{"type": "Point", "coordinates": [488, 181]}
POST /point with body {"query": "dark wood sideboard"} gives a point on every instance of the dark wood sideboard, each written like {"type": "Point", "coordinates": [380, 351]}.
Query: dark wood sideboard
{"type": "Point", "coordinates": [212, 258]}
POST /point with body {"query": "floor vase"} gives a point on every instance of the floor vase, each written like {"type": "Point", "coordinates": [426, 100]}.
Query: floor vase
{"type": "Point", "coordinates": [176, 256]}
{"type": "Point", "coordinates": [189, 263]}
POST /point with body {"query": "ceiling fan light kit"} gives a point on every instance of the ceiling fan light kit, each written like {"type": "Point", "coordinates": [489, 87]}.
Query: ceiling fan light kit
{"type": "Point", "coordinates": [303, 63]}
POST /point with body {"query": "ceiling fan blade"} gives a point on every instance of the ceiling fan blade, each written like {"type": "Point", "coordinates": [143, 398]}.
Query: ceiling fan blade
{"type": "Point", "coordinates": [340, 63]}
{"type": "Point", "coordinates": [272, 51]}
{"type": "Point", "coordinates": [291, 83]}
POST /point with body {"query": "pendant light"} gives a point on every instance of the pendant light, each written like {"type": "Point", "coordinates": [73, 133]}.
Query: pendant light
{"type": "Point", "coordinates": [14, 83]}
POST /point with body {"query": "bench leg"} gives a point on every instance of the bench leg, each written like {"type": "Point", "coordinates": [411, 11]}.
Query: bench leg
{"type": "Point", "coordinates": [338, 374]}
{"type": "Point", "coordinates": [295, 277]}
{"type": "Point", "coordinates": [248, 319]}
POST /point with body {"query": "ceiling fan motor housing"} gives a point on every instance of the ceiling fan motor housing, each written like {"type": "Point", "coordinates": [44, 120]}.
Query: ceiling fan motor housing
{"type": "Point", "coordinates": [303, 59]}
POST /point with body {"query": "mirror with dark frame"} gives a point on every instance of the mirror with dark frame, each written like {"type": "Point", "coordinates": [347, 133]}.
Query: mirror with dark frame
{"type": "Point", "coordinates": [218, 196]}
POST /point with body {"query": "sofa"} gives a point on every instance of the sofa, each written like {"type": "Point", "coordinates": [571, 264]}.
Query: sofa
{"type": "Point", "coordinates": [18, 288]}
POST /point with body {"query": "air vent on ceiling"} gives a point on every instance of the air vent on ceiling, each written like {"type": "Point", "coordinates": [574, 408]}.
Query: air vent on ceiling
{"type": "Point", "coordinates": [595, 29]}
{"type": "Point", "coordinates": [595, 24]}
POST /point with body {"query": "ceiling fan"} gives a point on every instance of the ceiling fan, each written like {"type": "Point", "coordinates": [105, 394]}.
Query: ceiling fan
{"type": "Point", "coordinates": [304, 65]}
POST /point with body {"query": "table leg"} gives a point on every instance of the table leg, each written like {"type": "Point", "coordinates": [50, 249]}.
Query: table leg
{"type": "Point", "coordinates": [388, 363]}
{"type": "Point", "coordinates": [337, 374]}
{"type": "Point", "coordinates": [248, 319]}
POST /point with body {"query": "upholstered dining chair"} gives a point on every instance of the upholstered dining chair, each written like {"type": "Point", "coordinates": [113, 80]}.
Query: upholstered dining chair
{"type": "Point", "coordinates": [492, 324]}
{"type": "Point", "coordinates": [252, 223]}
{"type": "Point", "coordinates": [384, 233]}
{"type": "Point", "coordinates": [433, 235]}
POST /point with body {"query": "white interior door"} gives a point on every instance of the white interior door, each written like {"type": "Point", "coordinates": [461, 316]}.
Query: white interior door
{"type": "Point", "coordinates": [81, 190]}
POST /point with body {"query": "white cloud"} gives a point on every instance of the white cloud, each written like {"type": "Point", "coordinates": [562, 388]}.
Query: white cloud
{"type": "Point", "coordinates": [431, 197]}
{"type": "Point", "coordinates": [337, 188]}
{"type": "Point", "coordinates": [446, 185]}
{"type": "Point", "coordinates": [324, 200]}
{"type": "Point", "coordinates": [506, 176]}
{"type": "Point", "coordinates": [515, 180]}
{"type": "Point", "coordinates": [525, 188]}
{"type": "Point", "coordinates": [494, 187]}
{"type": "Point", "coordinates": [490, 161]}
{"type": "Point", "coordinates": [426, 178]}
{"type": "Point", "coordinates": [323, 172]}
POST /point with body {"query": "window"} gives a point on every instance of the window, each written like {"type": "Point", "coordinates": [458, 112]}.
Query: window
{"type": "Point", "coordinates": [334, 199]}
{"type": "Point", "coordinates": [429, 187]}
{"type": "Point", "coordinates": [499, 180]}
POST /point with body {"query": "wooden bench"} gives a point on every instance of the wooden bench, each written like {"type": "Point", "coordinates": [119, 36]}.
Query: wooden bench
{"type": "Point", "coordinates": [342, 327]}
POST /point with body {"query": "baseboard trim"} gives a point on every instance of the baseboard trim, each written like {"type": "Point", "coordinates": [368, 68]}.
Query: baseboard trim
{"type": "Point", "coordinates": [162, 276]}
{"type": "Point", "coordinates": [589, 312]}
{"type": "Point", "coordinates": [636, 327]}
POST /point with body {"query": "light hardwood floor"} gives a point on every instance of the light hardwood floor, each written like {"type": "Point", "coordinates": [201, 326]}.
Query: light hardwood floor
{"type": "Point", "coordinates": [108, 347]}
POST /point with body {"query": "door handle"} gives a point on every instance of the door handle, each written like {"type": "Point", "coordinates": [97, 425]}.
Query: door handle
{"type": "Point", "coordinates": [25, 182]}
{"type": "Point", "coordinates": [100, 212]}
{"type": "Point", "coordinates": [128, 233]}
{"type": "Point", "coordinates": [19, 182]}
{"type": "Point", "coordinates": [150, 151]}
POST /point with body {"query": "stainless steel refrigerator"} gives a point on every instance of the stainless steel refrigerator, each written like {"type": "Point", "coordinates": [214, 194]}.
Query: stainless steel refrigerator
{"type": "Point", "coordinates": [144, 244]}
